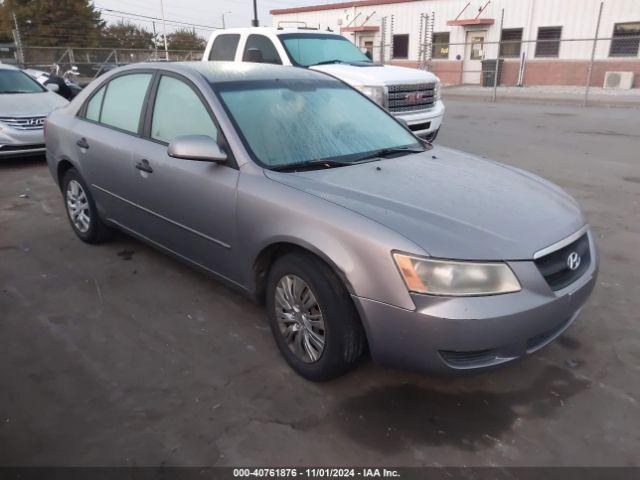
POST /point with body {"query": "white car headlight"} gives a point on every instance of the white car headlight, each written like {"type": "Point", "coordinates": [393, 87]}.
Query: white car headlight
{"type": "Point", "coordinates": [377, 94]}
{"type": "Point", "coordinates": [438, 90]}
{"type": "Point", "coordinates": [453, 278]}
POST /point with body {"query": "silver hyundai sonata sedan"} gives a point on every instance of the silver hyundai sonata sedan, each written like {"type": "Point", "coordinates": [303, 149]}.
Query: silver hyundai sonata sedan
{"type": "Point", "coordinates": [298, 190]}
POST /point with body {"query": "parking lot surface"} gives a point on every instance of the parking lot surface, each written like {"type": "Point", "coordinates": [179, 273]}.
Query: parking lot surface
{"type": "Point", "coordinates": [120, 355]}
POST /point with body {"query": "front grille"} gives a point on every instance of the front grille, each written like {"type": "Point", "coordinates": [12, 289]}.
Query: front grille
{"type": "Point", "coordinates": [409, 98]}
{"type": "Point", "coordinates": [24, 123]}
{"type": "Point", "coordinates": [554, 266]}
{"type": "Point", "coordinates": [468, 359]}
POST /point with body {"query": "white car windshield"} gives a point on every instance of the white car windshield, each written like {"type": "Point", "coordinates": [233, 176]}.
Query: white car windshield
{"type": "Point", "coordinates": [292, 122]}
{"type": "Point", "coordinates": [15, 81]}
{"type": "Point", "coordinates": [307, 49]}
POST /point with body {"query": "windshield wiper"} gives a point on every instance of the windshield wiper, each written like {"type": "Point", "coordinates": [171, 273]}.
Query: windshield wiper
{"type": "Point", "coordinates": [383, 152]}
{"type": "Point", "coordinates": [327, 62]}
{"type": "Point", "coordinates": [309, 164]}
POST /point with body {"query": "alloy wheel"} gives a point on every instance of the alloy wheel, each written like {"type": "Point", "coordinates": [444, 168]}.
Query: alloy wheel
{"type": "Point", "coordinates": [78, 206]}
{"type": "Point", "coordinates": [300, 318]}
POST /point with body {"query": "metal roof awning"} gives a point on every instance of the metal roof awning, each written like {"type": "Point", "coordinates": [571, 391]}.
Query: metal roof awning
{"type": "Point", "coordinates": [362, 28]}
{"type": "Point", "coordinates": [470, 22]}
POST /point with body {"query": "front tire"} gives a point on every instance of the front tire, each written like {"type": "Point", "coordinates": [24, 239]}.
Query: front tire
{"type": "Point", "coordinates": [81, 209]}
{"type": "Point", "coordinates": [312, 318]}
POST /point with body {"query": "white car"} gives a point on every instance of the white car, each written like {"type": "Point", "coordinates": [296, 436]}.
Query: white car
{"type": "Point", "coordinates": [410, 94]}
{"type": "Point", "coordinates": [24, 106]}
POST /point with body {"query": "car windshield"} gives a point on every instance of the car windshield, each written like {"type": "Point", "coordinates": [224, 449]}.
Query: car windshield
{"type": "Point", "coordinates": [15, 81]}
{"type": "Point", "coordinates": [291, 122]}
{"type": "Point", "coordinates": [306, 49]}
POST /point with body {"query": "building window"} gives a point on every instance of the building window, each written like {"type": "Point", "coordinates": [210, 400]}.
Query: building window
{"type": "Point", "coordinates": [440, 45]}
{"type": "Point", "coordinates": [622, 45]}
{"type": "Point", "coordinates": [510, 42]}
{"type": "Point", "coordinates": [548, 42]}
{"type": "Point", "coordinates": [401, 46]}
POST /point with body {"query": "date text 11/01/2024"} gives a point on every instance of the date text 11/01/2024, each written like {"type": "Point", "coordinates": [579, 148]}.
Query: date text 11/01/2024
{"type": "Point", "coordinates": [316, 472]}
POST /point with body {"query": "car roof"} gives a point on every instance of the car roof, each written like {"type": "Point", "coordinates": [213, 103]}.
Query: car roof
{"type": "Point", "coordinates": [222, 72]}
{"type": "Point", "coordinates": [275, 30]}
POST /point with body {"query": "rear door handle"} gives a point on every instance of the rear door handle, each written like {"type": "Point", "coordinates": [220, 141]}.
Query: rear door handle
{"type": "Point", "coordinates": [144, 166]}
{"type": "Point", "coordinates": [82, 143]}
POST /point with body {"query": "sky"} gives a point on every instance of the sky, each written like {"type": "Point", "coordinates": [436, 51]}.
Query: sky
{"type": "Point", "coordinates": [201, 12]}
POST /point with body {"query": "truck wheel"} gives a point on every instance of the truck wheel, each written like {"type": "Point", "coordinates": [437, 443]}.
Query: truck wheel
{"type": "Point", "coordinates": [312, 318]}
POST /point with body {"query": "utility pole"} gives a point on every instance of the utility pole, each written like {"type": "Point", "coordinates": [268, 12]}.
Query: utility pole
{"type": "Point", "coordinates": [254, 22]}
{"type": "Point", "coordinates": [164, 31]}
{"type": "Point", "coordinates": [223, 24]}
{"type": "Point", "coordinates": [155, 40]}
{"type": "Point", "coordinates": [18, 40]}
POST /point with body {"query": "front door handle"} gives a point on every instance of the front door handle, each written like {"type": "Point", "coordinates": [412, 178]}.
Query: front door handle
{"type": "Point", "coordinates": [144, 166]}
{"type": "Point", "coordinates": [82, 143]}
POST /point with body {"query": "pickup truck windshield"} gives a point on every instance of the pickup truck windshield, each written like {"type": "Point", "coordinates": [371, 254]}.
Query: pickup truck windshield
{"type": "Point", "coordinates": [307, 49]}
{"type": "Point", "coordinates": [290, 122]}
{"type": "Point", "coordinates": [15, 81]}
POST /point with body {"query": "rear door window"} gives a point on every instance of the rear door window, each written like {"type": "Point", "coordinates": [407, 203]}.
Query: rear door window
{"type": "Point", "coordinates": [266, 47]}
{"type": "Point", "coordinates": [123, 100]}
{"type": "Point", "coordinates": [94, 106]}
{"type": "Point", "coordinates": [179, 111]}
{"type": "Point", "coordinates": [224, 47]}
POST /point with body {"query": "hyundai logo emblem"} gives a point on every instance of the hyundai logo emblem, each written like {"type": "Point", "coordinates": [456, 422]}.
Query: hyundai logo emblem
{"type": "Point", "coordinates": [573, 261]}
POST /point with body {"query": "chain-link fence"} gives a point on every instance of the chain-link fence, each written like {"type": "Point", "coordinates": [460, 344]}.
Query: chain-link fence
{"type": "Point", "coordinates": [497, 60]}
{"type": "Point", "coordinates": [92, 62]}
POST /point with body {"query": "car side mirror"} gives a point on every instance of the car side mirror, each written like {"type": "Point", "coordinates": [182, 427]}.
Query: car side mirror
{"type": "Point", "coordinates": [196, 147]}
{"type": "Point", "coordinates": [52, 87]}
{"type": "Point", "coordinates": [254, 55]}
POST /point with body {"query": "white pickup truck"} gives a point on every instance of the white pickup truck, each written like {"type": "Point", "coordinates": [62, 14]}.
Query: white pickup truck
{"type": "Point", "coordinates": [409, 94]}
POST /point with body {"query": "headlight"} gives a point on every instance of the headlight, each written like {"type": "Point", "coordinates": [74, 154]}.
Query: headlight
{"type": "Point", "coordinates": [377, 94]}
{"type": "Point", "coordinates": [452, 278]}
{"type": "Point", "coordinates": [438, 90]}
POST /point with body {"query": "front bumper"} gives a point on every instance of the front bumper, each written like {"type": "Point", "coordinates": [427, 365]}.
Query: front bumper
{"type": "Point", "coordinates": [17, 143]}
{"type": "Point", "coordinates": [453, 335]}
{"type": "Point", "coordinates": [423, 122]}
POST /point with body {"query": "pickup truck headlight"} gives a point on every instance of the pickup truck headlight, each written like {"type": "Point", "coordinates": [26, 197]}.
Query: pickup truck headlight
{"type": "Point", "coordinates": [377, 94]}
{"type": "Point", "coordinates": [438, 90]}
{"type": "Point", "coordinates": [453, 278]}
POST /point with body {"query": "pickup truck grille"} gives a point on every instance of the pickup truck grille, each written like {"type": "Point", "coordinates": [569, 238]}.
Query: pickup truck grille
{"type": "Point", "coordinates": [409, 98]}
{"type": "Point", "coordinates": [554, 266]}
{"type": "Point", "coordinates": [24, 123]}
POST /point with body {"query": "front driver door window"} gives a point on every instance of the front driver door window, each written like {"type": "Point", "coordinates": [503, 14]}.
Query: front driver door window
{"type": "Point", "coordinates": [192, 202]}
{"type": "Point", "coordinates": [179, 111]}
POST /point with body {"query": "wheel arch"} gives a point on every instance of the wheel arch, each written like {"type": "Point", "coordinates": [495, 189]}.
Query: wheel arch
{"type": "Point", "coordinates": [62, 168]}
{"type": "Point", "coordinates": [278, 248]}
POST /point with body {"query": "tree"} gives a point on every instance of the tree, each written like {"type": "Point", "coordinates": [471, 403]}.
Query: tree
{"type": "Point", "coordinates": [185, 39]}
{"type": "Point", "coordinates": [52, 23]}
{"type": "Point", "coordinates": [128, 35]}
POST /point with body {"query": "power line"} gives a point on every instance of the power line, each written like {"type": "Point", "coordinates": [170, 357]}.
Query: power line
{"type": "Point", "coordinates": [120, 12]}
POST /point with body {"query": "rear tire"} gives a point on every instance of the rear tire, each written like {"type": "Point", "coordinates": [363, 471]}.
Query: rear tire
{"type": "Point", "coordinates": [81, 210]}
{"type": "Point", "coordinates": [333, 319]}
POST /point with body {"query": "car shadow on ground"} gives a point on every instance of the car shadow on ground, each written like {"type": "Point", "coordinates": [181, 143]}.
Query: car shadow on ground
{"type": "Point", "coordinates": [22, 162]}
{"type": "Point", "coordinates": [390, 418]}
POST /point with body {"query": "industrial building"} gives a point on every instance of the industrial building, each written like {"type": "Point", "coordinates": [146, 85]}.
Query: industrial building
{"type": "Point", "coordinates": [541, 42]}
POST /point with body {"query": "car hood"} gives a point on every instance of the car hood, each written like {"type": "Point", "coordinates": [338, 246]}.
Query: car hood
{"type": "Point", "coordinates": [451, 204]}
{"type": "Point", "coordinates": [25, 104]}
{"type": "Point", "coordinates": [373, 75]}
